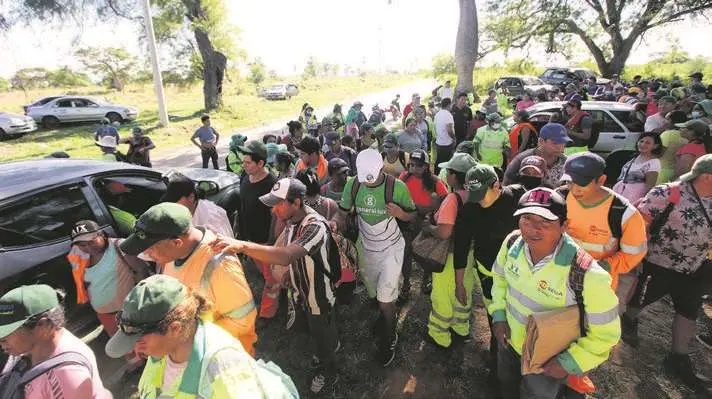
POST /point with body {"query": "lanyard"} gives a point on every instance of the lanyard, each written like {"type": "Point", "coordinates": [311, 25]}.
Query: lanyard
{"type": "Point", "coordinates": [702, 206]}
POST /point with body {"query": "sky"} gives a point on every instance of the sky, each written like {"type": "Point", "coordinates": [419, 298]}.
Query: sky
{"type": "Point", "coordinates": [367, 34]}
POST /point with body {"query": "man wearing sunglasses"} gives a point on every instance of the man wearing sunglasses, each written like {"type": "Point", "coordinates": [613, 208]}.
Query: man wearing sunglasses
{"type": "Point", "coordinates": [166, 234]}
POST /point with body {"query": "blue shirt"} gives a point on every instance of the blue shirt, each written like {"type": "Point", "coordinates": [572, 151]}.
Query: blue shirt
{"type": "Point", "coordinates": [101, 279]}
{"type": "Point", "coordinates": [106, 130]}
{"type": "Point", "coordinates": [206, 134]}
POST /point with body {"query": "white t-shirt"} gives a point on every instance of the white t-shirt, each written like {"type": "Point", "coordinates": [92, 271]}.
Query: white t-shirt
{"type": "Point", "coordinates": [209, 214]}
{"type": "Point", "coordinates": [442, 119]}
{"type": "Point", "coordinates": [172, 373]}
{"type": "Point", "coordinates": [446, 92]}
{"type": "Point", "coordinates": [655, 121]}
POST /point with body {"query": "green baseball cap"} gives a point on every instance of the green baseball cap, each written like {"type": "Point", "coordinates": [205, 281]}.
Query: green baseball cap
{"type": "Point", "coordinates": [21, 303]}
{"type": "Point", "coordinates": [701, 166]}
{"type": "Point", "coordinates": [478, 180]}
{"type": "Point", "coordinates": [255, 147]}
{"type": "Point", "coordinates": [144, 308]}
{"type": "Point", "coordinates": [460, 162]}
{"type": "Point", "coordinates": [160, 222]}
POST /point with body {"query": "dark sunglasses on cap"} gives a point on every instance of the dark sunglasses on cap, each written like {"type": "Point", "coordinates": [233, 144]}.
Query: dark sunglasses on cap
{"type": "Point", "coordinates": [417, 164]}
{"type": "Point", "coordinates": [130, 328]}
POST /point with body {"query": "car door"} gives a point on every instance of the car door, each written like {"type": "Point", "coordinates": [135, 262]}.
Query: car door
{"type": "Point", "coordinates": [63, 110]}
{"type": "Point", "coordinates": [613, 135]}
{"type": "Point", "coordinates": [91, 111]}
{"type": "Point", "coordinates": [34, 236]}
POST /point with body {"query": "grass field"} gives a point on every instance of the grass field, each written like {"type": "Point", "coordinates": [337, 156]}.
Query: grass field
{"type": "Point", "coordinates": [184, 109]}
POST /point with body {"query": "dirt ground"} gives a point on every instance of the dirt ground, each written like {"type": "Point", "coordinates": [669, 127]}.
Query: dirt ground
{"type": "Point", "coordinates": [422, 371]}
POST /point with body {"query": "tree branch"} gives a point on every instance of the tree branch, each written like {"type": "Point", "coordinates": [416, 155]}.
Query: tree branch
{"type": "Point", "coordinates": [676, 16]}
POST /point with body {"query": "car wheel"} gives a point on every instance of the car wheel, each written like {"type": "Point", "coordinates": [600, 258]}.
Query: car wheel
{"type": "Point", "coordinates": [114, 117]}
{"type": "Point", "coordinates": [50, 122]}
{"type": "Point", "coordinates": [3, 135]}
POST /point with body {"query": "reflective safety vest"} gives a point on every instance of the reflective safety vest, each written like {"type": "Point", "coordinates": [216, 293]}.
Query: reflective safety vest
{"type": "Point", "coordinates": [491, 143]}
{"type": "Point", "coordinates": [79, 260]}
{"type": "Point", "coordinates": [521, 289]}
{"type": "Point", "coordinates": [218, 368]}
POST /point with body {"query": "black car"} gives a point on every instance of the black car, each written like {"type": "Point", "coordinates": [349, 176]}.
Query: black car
{"type": "Point", "coordinates": [41, 200]}
{"type": "Point", "coordinates": [562, 76]}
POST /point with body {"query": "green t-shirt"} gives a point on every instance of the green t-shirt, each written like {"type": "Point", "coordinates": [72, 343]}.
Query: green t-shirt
{"type": "Point", "coordinates": [124, 221]}
{"type": "Point", "coordinates": [371, 201]}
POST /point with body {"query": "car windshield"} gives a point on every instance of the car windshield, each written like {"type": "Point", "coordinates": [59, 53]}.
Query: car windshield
{"type": "Point", "coordinates": [555, 74]}
{"type": "Point", "coordinates": [530, 80]}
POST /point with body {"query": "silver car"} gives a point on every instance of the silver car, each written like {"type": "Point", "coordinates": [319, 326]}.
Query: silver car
{"type": "Point", "coordinates": [281, 92]}
{"type": "Point", "coordinates": [15, 125]}
{"type": "Point", "coordinates": [80, 109]}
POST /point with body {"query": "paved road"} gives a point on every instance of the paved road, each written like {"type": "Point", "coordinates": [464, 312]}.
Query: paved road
{"type": "Point", "coordinates": [189, 156]}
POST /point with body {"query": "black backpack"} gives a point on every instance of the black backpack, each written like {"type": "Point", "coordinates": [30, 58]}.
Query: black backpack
{"type": "Point", "coordinates": [615, 212]}
{"type": "Point", "coordinates": [12, 383]}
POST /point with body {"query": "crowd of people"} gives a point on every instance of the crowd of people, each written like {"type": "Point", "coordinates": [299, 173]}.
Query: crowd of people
{"type": "Point", "coordinates": [566, 260]}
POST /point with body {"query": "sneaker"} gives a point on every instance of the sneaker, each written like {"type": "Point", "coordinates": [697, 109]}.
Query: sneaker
{"type": "Point", "coordinates": [389, 352]}
{"type": "Point", "coordinates": [321, 381]}
{"type": "Point", "coordinates": [629, 331]}
{"type": "Point", "coordinates": [680, 367]}
{"type": "Point", "coordinates": [705, 340]}
{"type": "Point", "coordinates": [427, 286]}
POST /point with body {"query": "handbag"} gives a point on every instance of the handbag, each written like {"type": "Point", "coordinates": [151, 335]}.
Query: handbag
{"type": "Point", "coordinates": [431, 252]}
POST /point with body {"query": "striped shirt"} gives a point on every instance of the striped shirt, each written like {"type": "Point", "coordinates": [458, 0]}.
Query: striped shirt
{"type": "Point", "coordinates": [309, 274]}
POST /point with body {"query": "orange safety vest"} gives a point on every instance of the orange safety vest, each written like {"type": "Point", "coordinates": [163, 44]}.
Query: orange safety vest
{"type": "Point", "coordinates": [79, 261]}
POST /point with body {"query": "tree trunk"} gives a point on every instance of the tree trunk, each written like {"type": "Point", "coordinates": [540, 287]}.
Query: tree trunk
{"type": "Point", "coordinates": [466, 46]}
{"type": "Point", "coordinates": [211, 89]}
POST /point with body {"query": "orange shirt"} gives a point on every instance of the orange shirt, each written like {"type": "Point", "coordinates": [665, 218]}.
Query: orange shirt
{"type": "Point", "coordinates": [322, 168]}
{"type": "Point", "coordinates": [226, 287]}
{"type": "Point", "coordinates": [588, 225]}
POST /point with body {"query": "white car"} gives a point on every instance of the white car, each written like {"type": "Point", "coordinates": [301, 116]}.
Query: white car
{"type": "Point", "coordinates": [14, 125]}
{"type": "Point", "coordinates": [617, 131]}
{"type": "Point", "coordinates": [80, 109]}
{"type": "Point", "coordinates": [281, 92]}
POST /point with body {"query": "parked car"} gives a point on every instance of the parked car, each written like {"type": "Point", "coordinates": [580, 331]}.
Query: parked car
{"type": "Point", "coordinates": [618, 132]}
{"type": "Point", "coordinates": [41, 102]}
{"type": "Point", "coordinates": [561, 77]}
{"type": "Point", "coordinates": [513, 86]}
{"type": "Point", "coordinates": [41, 200]}
{"type": "Point", "coordinates": [12, 125]}
{"type": "Point", "coordinates": [281, 91]}
{"type": "Point", "coordinates": [79, 109]}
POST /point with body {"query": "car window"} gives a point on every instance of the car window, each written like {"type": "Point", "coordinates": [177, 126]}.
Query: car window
{"type": "Point", "coordinates": [555, 74]}
{"type": "Point", "coordinates": [132, 194]}
{"type": "Point", "coordinates": [533, 81]}
{"type": "Point", "coordinates": [607, 123]}
{"type": "Point", "coordinates": [64, 104]}
{"type": "Point", "coordinates": [43, 217]}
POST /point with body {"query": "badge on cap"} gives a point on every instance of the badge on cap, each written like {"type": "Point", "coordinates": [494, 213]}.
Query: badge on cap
{"type": "Point", "coordinates": [370, 178]}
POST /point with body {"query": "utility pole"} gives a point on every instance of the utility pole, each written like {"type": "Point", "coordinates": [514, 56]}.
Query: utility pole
{"type": "Point", "coordinates": [157, 80]}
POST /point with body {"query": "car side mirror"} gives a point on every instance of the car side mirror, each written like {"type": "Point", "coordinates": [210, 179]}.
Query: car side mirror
{"type": "Point", "coordinates": [207, 188]}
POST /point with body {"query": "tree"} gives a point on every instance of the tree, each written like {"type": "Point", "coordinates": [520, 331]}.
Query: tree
{"type": "Point", "coordinates": [257, 72]}
{"type": "Point", "coordinates": [30, 78]}
{"type": "Point", "coordinates": [113, 65]}
{"type": "Point", "coordinates": [466, 46]}
{"type": "Point", "coordinates": [674, 55]}
{"type": "Point", "coordinates": [206, 20]}
{"type": "Point", "coordinates": [443, 65]}
{"type": "Point", "coordinates": [4, 84]}
{"type": "Point", "coordinates": [311, 69]}
{"type": "Point", "coordinates": [609, 29]}
{"type": "Point", "coordinates": [66, 77]}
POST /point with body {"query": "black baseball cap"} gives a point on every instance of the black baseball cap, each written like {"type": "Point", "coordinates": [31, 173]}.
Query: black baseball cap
{"type": "Point", "coordinates": [309, 145]}
{"type": "Point", "coordinates": [583, 168]}
{"type": "Point", "coordinates": [543, 202]}
{"type": "Point", "coordinates": [420, 156]}
{"type": "Point", "coordinates": [338, 165]}
{"type": "Point", "coordinates": [85, 230]}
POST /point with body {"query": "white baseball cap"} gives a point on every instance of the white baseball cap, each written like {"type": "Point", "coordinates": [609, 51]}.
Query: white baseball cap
{"type": "Point", "coordinates": [368, 165]}
{"type": "Point", "coordinates": [107, 141]}
{"type": "Point", "coordinates": [287, 188]}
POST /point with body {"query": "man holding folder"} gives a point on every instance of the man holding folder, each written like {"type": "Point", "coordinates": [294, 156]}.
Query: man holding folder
{"type": "Point", "coordinates": [540, 271]}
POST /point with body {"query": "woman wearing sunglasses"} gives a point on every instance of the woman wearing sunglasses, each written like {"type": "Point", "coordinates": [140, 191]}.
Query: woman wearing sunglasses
{"type": "Point", "coordinates": [188, 355]}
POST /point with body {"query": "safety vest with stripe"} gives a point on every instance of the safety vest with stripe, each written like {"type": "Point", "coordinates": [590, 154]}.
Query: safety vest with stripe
{"type": "Point", "coordinates": [218, 367]}
{"type": "Point", "coordinates": [521, 289]}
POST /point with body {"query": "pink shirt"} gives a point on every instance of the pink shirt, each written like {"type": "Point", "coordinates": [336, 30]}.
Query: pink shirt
{"type": "Point", "coordinates": [70, 381]}
{"type": "Point", "coordinates": [521, 105]}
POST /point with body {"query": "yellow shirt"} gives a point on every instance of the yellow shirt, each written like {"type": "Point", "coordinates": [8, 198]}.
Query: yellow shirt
{"type": "Point", "coordinates": [395, 168]}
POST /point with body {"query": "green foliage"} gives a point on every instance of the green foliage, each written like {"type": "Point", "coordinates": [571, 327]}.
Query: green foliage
{"type": "Point", "coordinates": [668, 70]}
{"type": "Point", "coordinates": [444, 64]}
{"type": "Point", "coordinates": [311, 69]}
{"type": "Point", "coordinates": [258, 71]}
{"type": "Point", "coordinates": [112, 64]}
{"type": "Point", "coordinates": [30, 78]}
{"type": "Point", "coordinates": [4, 84]}
{"type": "Point", "coordinates": [65, 77]}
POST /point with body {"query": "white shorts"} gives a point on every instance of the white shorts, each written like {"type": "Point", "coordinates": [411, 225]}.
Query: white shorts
{"type": "Point", "coordinates": [381, 271]}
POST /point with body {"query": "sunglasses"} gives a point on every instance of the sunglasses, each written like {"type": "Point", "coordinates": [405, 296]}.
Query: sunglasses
{"type": "Point", "coordinates": [130, 328]}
